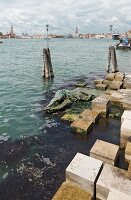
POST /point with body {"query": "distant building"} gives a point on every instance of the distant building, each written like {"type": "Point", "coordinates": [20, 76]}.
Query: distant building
{"type": "Point", "coordinates": [9, 35]}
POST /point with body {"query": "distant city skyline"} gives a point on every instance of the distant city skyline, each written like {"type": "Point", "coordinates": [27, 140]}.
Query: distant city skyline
{"type": "Point", "coordinates": [64, 15]}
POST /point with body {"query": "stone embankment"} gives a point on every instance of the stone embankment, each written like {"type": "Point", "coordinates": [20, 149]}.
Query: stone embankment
{"type": "Point", "coordinates": [96, 176]}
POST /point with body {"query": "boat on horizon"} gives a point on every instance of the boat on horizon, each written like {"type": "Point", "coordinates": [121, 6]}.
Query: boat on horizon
{"type": "Point", "coordinates": [115, 36]}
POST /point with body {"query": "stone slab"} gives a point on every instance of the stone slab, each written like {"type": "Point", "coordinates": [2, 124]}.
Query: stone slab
{"type": "Point", "coordinates": [125, 132]}
{"type": "Point", "coordinates": [101, 87]}
{"type": "Point", "coordinates": [110, 76]}
{"type": "Point", "coordinates": [101, 105]}
{"type": "Point", "coordinates": [126, 115]}
{"type": "Point", "coordinates": [115, 85]}
{"type": "Point", "coordinates": [118, 195]}
{"type": "Point", "coordinates": [112, 177]}
{"type": "Point", "coordinates": [128, 152]}
{"type": "Point", "coordinates": [84, 171]}
{"type": "Point", "coordinates": [105, 151]}
{"type": "Point", "coordinates": [82, 126]}
{"type": "Point", "coordinates": [90, 115]}
{"type": "Point", "coordinates": [69, 191]}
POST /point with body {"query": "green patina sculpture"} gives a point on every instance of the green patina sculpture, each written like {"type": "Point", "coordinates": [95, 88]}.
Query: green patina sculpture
{"type": "Point", "coordinates": [64, 98]}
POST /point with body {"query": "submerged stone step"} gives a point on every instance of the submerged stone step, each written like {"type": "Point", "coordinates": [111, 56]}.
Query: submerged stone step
{"type": "Point", "coordinates": [112, 177]}
{"type": "Point", "coordinates": [105, 151]}
{"type": "Point", "coordinates": [90, 115]}
{"type": "Point", "coordinates": [84, 171]}
{"type": "Point", "coordinates": [126, 115]}
{"type": "Point", "coordinates": [125, 132]}
{"type": "Point", "coordinates": [101, 105]}
{"type": "Point", "coordinates": [118, 195]}
{"type": "Point", "coordinates": [82, 126]}
{"type": "Point", "coordinates": [68, 191]}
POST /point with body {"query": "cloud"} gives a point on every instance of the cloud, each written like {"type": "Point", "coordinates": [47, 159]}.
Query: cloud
{"type": "Point", "coordinates": [64, 15]}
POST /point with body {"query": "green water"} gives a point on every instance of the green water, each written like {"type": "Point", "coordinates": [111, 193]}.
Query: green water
{"type": "Point", "coordinates": [21, 85]}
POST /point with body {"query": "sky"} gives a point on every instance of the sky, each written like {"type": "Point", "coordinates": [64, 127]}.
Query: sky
{"type": "Point", "coordinates": [91, 16]}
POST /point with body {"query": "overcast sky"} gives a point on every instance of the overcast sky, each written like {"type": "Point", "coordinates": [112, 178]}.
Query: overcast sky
{"type": "Point", "coordinates": [91, 16]}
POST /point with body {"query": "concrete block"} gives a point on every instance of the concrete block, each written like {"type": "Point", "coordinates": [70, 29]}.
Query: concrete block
{"type": "Point", "coordinates": [110, 76]}
{"type": "Point", "coordinates": [82, 126]}
{"type": "Point", "coordinates": [105, 151]}
{"type": "Point", "coordinates": [118, 195]}
{"type": "Point", "coordinates": [115, 85]}
{"type": "Point", "coordinates": [101, 105]}
{"type": "Point", "coordinates": [98, 81]}
{"type": "Point", "coordinates": [112, 177]}
{"type": "Point", "coordinates": [68, 191]}
{"type": "Point", "coordinates": [116, 96]}
{"type": "Point", "coordinates": [127, 84]}
{"type": "Point", "coordinates": [127, 103]}
{"type": "Point", "coordinates": [128, 152]}
{"type": "Point", "coordinates": [119, 76]}
{"type": "Point", "coordinates": [84, 171]}
{"type": "Point", "coordinates": [101, 87]}
{"type": "Point", "coordinates": [90, 115]}
{"type": "Point", "coordinates": [125, 132]}
{"type": "Point", "coordinates": [126, 115]}
{"type": "Point", "coordinates": [107, 82]}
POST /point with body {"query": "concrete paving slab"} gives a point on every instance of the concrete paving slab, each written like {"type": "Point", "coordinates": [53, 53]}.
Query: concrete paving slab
{"type": "Point", "coordinates": [82, 126]}
{"type": "Point", "coordinates": [118, 195]}
{"type": "Point", "coordinates": [84, 171]}
{"type": "Point", "coordinates": [126, 115]}
{"type": "Point", "coordinates": [69, 191]}
{"type": "Point", "coordinates": [90, 115]}
{"type": "Point", "coordinates": [125, 132]}
{"type": "Point", "coordinates": [105, 151]}
{"type": "Point", "coordinates": [112, 177]}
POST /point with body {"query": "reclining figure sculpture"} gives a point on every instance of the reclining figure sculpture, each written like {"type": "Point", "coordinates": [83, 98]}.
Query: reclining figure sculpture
{"type": "Point", "coordinates": [64, 98]}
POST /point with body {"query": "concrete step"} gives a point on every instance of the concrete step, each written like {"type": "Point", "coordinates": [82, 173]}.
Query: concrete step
{"type": "Point", "coordinates": [84, 171]}
{"type": "Point", "coordinates": [126, 115]}
{"type": "Point", "coordinates": [101, 105]}
{"type": "Point", "coordinates": [112, 177]}
{"type": "Point", "coordinates": [82, 126]}
{"type": "Point", "coordinates": [125, 132]}
{"type": "Point", "coordinates": [117, 195]}
{"type": "Point", "coordinates": [104, 151]}
{"type": "Point", "coordinates": [90, 115]}
{"type": "Point", "coordinates": [128, 152]}
{"type": "Point", "coordinates": [68, 191]}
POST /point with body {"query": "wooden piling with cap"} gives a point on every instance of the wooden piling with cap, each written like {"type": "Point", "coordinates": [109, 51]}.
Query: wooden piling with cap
{"type": "Point", "coordinates": [112, 60]}
{"type": "Point", "coordinates": [47, 68]}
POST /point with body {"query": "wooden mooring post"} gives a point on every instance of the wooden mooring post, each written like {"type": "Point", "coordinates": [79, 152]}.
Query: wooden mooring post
{"type": "Point", "coordinates": [47, 71]}
{"type": "Point", "coordinates": [112, 60]}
